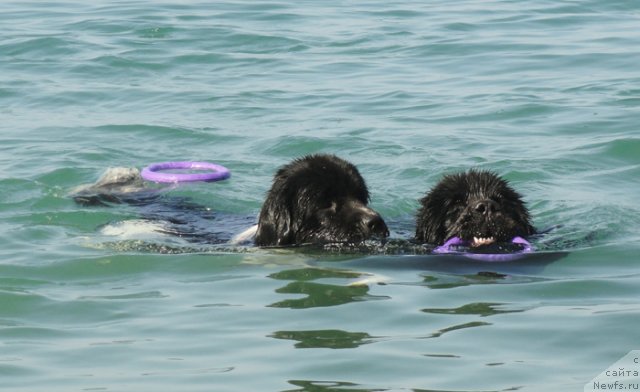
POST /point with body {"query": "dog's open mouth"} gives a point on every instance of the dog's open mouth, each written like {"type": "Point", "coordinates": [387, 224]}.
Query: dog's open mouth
{"type": "Point", "coordinates": [482, 241]}
{"type": "Point", "coordinates": [486, 248]}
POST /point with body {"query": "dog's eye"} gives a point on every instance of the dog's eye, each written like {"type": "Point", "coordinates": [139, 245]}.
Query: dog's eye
{"type": "Point", "coordinates": [328, 211]}
{"type": "Point", "coordinates": [331, 206]}
{"type": "Point", "coordinates": [456, 210]}
{"type": "Point", "coordinates": [458, 204]}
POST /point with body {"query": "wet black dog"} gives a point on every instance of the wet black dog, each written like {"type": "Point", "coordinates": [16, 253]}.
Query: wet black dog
{"type": "Point", "coordinates": [477, 206]}
{"type": "Point", "coordinates": [318, 199]}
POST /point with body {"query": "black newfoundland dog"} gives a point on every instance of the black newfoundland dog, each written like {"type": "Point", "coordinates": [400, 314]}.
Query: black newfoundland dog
{"type": "Point", "coordinates": [477, 206]}
{"type": "Point", "coordinates": [318, 199]}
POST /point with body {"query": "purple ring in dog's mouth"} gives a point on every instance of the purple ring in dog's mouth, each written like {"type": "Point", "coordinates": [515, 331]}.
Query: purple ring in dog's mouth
{"type": "Point", "coordinates": [457, 245]}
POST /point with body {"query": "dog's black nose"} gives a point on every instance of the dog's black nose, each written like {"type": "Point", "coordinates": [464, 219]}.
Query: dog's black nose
{"type": "Point", "coordinates": [375, 224]}
{"type": "Point", "coordinates": [487, 207]}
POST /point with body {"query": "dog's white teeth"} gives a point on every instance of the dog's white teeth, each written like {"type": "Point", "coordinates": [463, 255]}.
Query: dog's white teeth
{"type": "Point", "coordinates": [479, 241]}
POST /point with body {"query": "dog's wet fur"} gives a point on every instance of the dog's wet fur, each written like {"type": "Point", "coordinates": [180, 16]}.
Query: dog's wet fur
{"type": "Point", "coordinates": [477, 206]}
{"type": "Point", "coordinates": [323, 199]}
{"type": "Point", "coordinates": [318, 199]}
{"type": "Point", "coordinates": [158, 211]}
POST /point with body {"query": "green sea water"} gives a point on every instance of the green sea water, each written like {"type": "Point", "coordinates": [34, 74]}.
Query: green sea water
{"type": "Point", "coordinates": [545, 93]}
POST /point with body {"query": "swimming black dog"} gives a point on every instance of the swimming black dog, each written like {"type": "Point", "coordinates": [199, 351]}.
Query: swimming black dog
{"type": "Point", "coordinates": [477, 206]}
{"type": "Point", "coordinates": [318, 199]}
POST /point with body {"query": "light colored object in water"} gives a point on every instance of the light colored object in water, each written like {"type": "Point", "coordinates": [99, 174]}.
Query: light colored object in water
{"type": "Point", "coordinates": [246, 237]}
{"type": "Point", "coordinates": [134, 229]}
{"type": "Point", "coordinates": [119, 180]}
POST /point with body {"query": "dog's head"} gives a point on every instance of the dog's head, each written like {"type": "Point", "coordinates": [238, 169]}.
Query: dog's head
{"type": "Point", "coordinates": [318, 199]}
{"type": "Point", "coordinates": [477, 206]}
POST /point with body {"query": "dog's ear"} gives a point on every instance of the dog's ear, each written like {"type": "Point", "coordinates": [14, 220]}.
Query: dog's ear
{"type": "Point", "coordinates": [428, 230]}
{"type": "Point", "coordinates": [522, 216]}
{"type": "Point", "coordinates": [274, 225]}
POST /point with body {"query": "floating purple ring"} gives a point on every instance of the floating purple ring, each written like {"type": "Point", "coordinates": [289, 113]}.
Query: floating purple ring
{"type": "Point", "coordinates": [489, 257]}
{"type": "Point", "coordinates": [216, 173]}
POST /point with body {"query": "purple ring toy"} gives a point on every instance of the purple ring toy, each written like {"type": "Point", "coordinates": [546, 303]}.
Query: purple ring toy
{"type": "Point", "coordinates": [489, 257]}
{"type": "Point", "coordinates": [215, 173]}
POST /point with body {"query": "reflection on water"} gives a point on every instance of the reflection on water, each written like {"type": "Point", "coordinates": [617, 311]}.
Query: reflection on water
{"type": "Point", "coordinates": [306, 274]}
{"type": "Point", "coordinates": [328, 386]}
{"type": "Point", "coordinates": [330, 338]}
{"type": "Point", "coordinates": [480, 308]}
{"type": "Point", "coordinates": [472, 324]}
{"type": "Point", "coordinates": [450, 281]}
{"type": "Point", "coordinates": [320, 294]}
